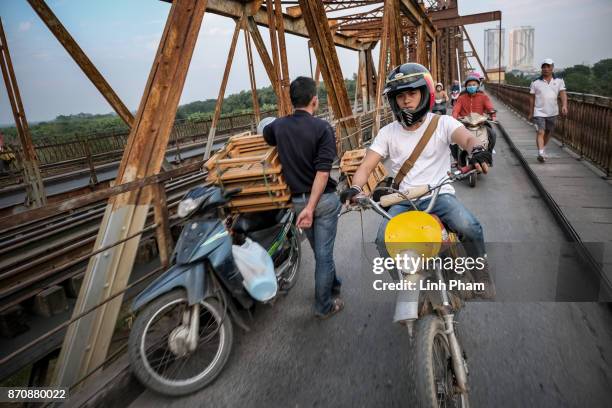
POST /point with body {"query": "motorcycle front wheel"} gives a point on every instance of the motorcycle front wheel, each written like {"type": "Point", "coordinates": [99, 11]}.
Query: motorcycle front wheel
{"type": "Point", "coordinates": [159, 363]}
{"type": "Point", "coordinates": [472, 180]}
{"type": "Point", "coordinates": [435, 379]}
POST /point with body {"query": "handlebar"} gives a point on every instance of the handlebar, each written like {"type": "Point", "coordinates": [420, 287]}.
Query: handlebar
{"type": "Point", "coordinates": [416, 193]}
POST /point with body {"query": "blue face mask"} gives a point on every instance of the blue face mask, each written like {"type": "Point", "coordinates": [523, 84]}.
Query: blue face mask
{"type": "Point", "coordinates": [471, 89]}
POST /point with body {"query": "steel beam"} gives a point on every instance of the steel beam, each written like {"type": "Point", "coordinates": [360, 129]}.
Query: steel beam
{"type": "Point", "coordinates": [372, 78]}
{"type": "Point", "coordinates": [77, 54]}
{"type": "Point", "coordinates": [86, 343]}
{"type": "Point", "coordinates": [434, 61]}
{"type": "Point", "coordinates": [363, 81]}
{"type": "Point", "coordinates": [382, 71]}
{"type": "Point", "coordinates": [416, 13]}
{"type": "Point", "coordinates": [327, 59]}
{"type": "Point", "coordinates": [293, 25]}
{"type": "Point", "coordinates": [469, 19]}
{"type": "Point", "coordinates": [253, 82]}
{"type": "Point", "coordinates": [219, 104]}
{"type": "Point", "coordinates": [284, 68]}
{"type": "Point", "coordinates": [421, 51]}
{"type": "Point", "coordinates": [484, 71]}
{"type": "Point", "coordinates": [32, 179]}
{"type": "Point", "coordinates": [396, 44]}
{"type": "Point", "coordinates": [436, 15]}
{"type": "Point", "coordinates": [264, 56]}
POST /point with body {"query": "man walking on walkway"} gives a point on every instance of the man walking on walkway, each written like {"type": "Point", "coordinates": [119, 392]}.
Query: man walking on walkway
{"type": "Point", "coordinates": [543, 107]}
{"type": "Point", "coordinates": [307, 148]}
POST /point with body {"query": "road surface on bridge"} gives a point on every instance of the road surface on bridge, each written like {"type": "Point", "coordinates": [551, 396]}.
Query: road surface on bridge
{"type": "Point", "coordinates": [522, 352]}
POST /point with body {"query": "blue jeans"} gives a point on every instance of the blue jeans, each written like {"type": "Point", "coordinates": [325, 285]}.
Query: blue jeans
{"type": "Point", "coordinates": [455, 217]}
{"type": "Point", "coordinates": [321, 236]}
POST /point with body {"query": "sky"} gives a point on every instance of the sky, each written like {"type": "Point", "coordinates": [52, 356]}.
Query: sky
{"type": "Point", "coordinates": [121, 38]}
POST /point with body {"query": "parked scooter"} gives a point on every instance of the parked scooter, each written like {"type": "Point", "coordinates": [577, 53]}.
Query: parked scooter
{"type": "Point", "coordinates": [480, 127]}
{"type": "Point", "coordinates": [183, 335]}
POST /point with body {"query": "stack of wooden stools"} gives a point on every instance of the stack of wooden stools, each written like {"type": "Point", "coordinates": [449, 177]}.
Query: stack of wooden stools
{"type": "Point", "coordinates": [248, 162]}
{"type": "Point", "coordinates": [351, 159]}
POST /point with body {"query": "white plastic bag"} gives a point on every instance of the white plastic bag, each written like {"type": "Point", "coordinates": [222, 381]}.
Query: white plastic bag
{"type": "Point", "coordinates": [257, 269]}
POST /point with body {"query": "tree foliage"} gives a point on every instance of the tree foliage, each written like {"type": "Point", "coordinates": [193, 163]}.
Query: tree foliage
{"type": "Point", "coordinates": [596, 80]}
{"type": "Point", "coordinates": [70, 127]}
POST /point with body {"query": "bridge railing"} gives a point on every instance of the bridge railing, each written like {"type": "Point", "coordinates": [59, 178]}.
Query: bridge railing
{"type": "Point", "coordinates": [92, 150]}
{"type": "Point", "coordinates": [587, 129]}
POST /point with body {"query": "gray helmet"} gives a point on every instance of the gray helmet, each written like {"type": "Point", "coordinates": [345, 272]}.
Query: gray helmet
{"type": "Point", "coordinates": [471, 77]}
{"type": "Point", "coordinates": [263, 123]}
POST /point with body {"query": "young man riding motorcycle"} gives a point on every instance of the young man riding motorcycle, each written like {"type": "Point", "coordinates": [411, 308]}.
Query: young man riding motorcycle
{"type": "Point", "coordinates": [472, 99]}
{"type": "Point", "coordinates": [410, 91]}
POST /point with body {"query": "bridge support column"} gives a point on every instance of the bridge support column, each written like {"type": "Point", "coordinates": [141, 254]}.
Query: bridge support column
{"type": "Point", "coordinates": [219, 104]}
{"type": "Point", "coordinates": [382, 68]}
{"type": "Point", "coordinates": [31, 171]}
{"type": "Point", "coordinates": [86, 343]}
{"type": "Point", "coordinates": [260, 46]}
{"type": "Point", "coordinates": [315, 18]}
{"type": "Point", "coordinates": [253, 82]}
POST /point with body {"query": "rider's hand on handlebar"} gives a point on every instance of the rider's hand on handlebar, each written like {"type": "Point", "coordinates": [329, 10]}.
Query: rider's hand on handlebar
{"type": "Point", "coordinates": [481, 158]}
{"type": "Point", "coordinates": [347, 195]}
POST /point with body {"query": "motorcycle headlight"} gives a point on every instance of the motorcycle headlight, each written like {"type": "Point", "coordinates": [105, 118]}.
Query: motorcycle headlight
{"type": "Point", "coordinates": [187, 206]}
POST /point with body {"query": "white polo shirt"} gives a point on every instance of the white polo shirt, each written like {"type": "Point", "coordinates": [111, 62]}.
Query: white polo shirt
{"type": "Point", "coordinates": [397, 143]}
{"type": "Point", "coordinates": [546, 95]}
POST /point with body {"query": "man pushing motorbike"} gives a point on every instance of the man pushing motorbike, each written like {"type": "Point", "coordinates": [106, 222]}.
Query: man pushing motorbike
{"type": "Point", "coordinates": [409, 90]}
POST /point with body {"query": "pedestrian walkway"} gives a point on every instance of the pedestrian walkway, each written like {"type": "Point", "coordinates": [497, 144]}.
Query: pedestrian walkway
{"type": "Point", "coordinates": [582, 193]}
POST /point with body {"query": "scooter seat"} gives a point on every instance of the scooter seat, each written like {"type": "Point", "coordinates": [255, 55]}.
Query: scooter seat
{"type": "Point", "coordinates": [265, 237]}
{"type": "Point", "coordinates": [251, 222]}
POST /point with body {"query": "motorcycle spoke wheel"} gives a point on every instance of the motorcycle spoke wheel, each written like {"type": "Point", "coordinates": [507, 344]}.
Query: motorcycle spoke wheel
{"type": "Point", "coordinates": [436, 384]}
{"type": "Point", "coordinates": [170, 369]}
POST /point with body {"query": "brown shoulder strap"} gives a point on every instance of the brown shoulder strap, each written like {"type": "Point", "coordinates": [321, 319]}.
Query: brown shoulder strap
{"type": "Point", "coordinates": [409, 163]}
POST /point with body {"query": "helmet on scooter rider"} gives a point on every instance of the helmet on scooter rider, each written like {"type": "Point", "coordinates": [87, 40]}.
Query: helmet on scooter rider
{"type": "Point", "coordinates": [471, 78]}
{"type": "Point", "coordinates": [403, 78]}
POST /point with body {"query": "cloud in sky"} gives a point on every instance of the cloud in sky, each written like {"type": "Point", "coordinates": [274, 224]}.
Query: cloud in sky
{"type": "Point", "coordinates": [25, 26]}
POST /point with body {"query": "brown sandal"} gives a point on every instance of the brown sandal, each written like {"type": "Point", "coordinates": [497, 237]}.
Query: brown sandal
{"type": "Point", "coordinates": [337, 306]}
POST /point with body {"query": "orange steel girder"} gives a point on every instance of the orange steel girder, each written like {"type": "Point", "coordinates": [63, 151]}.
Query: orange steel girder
{"type": "Point", "coordinates": [35, 190]}
{"type": "Point", "coordinates": [87, 340]}
{"type": "Point", "coordinates": [327, 60]}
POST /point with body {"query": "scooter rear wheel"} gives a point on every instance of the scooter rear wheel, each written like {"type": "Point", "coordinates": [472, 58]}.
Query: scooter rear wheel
{"type": "Point", "coordinates": [152, 346]}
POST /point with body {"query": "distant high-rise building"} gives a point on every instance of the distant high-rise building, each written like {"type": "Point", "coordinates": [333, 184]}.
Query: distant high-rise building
{"type": "Point", "coordinates": [521, 48]}
{"type": "Point", "coordinates": [491, 48]}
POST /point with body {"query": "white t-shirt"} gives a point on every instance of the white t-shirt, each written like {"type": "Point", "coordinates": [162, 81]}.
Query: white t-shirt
{"type": "Point", "coordinates": [397, 143]}
{"type": "Point", "coordinates": [546, 94]}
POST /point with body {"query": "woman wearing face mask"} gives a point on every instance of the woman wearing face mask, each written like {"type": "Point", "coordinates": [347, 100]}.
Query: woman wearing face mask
{"type": "Point", "coordinates": [472, 99]}
{"type": "Point", "coordinates": [441, 99]}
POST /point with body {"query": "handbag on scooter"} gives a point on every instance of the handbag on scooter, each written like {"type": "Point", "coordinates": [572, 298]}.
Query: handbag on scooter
{"type": "Point", "coordinates": [383, 186]}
